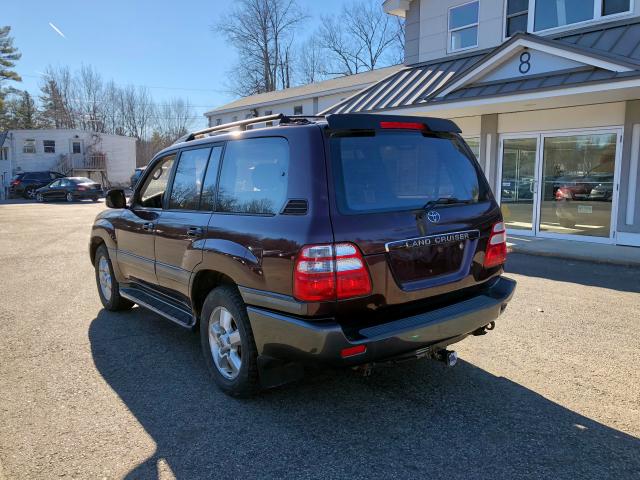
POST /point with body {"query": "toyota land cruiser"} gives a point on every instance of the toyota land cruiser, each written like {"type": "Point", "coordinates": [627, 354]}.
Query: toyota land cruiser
{"type": "Point", "coordinates": [343, 240]}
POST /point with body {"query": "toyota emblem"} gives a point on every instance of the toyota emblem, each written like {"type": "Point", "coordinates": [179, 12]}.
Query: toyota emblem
{"type": "Point", "coordinates": [433, 216]}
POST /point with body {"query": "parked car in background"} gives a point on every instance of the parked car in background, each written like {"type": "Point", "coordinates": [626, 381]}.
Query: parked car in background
{"type": "Point", "coordinates": [136, 176]}
{"type": "Point", "coordinates": [347, 240]}
{"type": "Point", "coordinates": [70, 189]}
{"type": "Point", "coordinates": [26, 183]}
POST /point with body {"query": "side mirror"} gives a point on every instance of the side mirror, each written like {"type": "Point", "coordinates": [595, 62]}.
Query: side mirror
{"type": "Point", "coordinates": [115, 198]}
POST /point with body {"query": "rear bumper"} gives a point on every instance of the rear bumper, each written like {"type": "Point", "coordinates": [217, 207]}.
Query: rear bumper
{"type": "Point", "coordinates": [88, 194]}
{"type": "Point", "coordinates": [289, 338]}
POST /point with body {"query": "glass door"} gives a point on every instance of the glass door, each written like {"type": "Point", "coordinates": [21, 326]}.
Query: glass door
{"type": "Point", "coordinates": [518, 185]}
{"type": "Point", "coordinates": [579, 181]}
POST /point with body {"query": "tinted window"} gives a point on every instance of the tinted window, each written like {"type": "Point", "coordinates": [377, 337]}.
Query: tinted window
{"type": "Point", "coordinates": [395, 171]}
{"type": "Point", "coordinates": [49, 146]}
{"type": "Point", "coordinates": [555, 13]}
{"type": "Point", "coordinates": [254, 176]}
{"type": "Point", "coordinates": [57, 183]}
{"type": "Point", "coordinates": [152, 192]}
{"type": "Point", "coordinates": [64, 182]}
{"type": "Point", "coordinates": [187, 183]}
{"type": "Point", "coordinates": [609, 7]}
{"type": "Point", "coordinates": [210, 180]}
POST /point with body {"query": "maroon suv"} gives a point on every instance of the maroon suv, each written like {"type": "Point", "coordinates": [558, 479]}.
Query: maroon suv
{"type": "Point", "coordinates": [346, 241]}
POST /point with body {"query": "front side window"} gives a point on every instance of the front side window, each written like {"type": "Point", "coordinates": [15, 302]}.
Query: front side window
{"type": "Point", "coordinates": [152, 192]}
{"type": "Point", "coordinates": [517, 17]}
{"type": "Point", "coordinates": [49, 146]}
{"type": "Point", "coordinates": [57, 183]}
{"type": "Point", "coordinates": [187, 182]}
{"type": "Point", "coordinates": [29, 146]}
{"type": "Point", "coordinates": [397, 171]}
{"type": "Point", "coordinates": [254, 176]}
{"type": "Point", "coordinates": [463, 26]}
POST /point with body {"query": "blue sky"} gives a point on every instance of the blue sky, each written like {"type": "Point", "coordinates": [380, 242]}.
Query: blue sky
{"type": "Point", "coordinates": [168, 46]}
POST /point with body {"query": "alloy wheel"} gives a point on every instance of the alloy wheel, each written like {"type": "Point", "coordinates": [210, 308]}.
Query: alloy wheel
{"type": "Point", "coordinates": [69, 197]}
{"type": "Point", "coordinates": [104, 275]}
{"type": "Point", "coordinates": [39, 197]}
{"type": "Point", "coordinates": [225, 343]}
{"type": "Point", "coordinates": [31, 192]}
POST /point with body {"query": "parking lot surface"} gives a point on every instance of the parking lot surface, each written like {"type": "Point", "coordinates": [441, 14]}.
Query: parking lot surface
{"type": "Point", "coordinates": [553, 392]}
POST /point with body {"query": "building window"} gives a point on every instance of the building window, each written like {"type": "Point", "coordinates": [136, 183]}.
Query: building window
{"type": "Point", "coordinates": [76, 147]}
{"type": "Point", "coordinates": [517, 17]}
{"type": "Point", "coordinates": [234, 119]}
{"type": "Point", "coordinates": [49, 146]}
{"type": "Point", "coordinates": [218, 121]}
{"type": "Point", "coordinates": [463, 26]}
{"type": "Point", "coordinates": [297, 110]}
{"type": "Point", "coordinates": [29, 146]}
{"type": "Point", "coordinates": [558, 13]}
{"type": "Point", "coordinates": [4, 153]}
{"type": "Point", "coordinates": [268, 112]}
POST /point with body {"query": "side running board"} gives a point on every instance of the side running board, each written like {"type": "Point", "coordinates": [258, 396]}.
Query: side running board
{"type": "Point", "coordinates": [160, 304]}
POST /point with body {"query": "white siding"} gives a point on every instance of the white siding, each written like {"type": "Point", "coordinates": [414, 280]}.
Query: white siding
{"type": "Point", "coordinates": [120, 151]}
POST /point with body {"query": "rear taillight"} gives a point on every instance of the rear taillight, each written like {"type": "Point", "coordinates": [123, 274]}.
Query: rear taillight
{"type": "Point", "coordinates": [496, 253]}
{"type": "Point", "coordinates": [330, 272]}
{"type": "Point", "coordinates": [15, 183]}
{"type": "Point", "coordinates": [81, 188]}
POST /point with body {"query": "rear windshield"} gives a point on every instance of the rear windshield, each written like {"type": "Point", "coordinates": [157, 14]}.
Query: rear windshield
{"type": "Point", "coordinates": [81, 180]}
{"type": "Point", "coordinates": [394, 171]}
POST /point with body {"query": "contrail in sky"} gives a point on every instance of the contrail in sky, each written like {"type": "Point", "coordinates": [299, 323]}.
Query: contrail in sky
{"type": "Point", "coordinates": [57, 30]}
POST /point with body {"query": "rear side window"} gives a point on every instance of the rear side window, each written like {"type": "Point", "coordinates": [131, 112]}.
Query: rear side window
{"type": "Point", "coordinates": [254, 176]}
{"type": "Point", "coordinates": [187, 182]}
{"type": "Point", "coordinates": [394, 171]}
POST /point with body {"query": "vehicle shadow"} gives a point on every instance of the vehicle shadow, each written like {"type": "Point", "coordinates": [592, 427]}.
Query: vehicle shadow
{"type": "Point", "coordinates": [613, 277]}
{"type": "Point", "coordinates": [412, 421]}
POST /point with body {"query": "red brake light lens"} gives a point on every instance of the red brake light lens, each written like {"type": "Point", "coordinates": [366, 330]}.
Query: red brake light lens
{"type": "Point", "coordinates": [403, 125]}
{"type": "Point", "coordinates": [330, 272]}
{"type": "Point", "coordinates": [496, 253]}
{"type": "Point", "coordinates": [352, 351]}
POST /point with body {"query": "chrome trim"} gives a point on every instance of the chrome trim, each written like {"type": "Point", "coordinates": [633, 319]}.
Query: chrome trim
{"type": "Point", "coordinates": [430, 240]}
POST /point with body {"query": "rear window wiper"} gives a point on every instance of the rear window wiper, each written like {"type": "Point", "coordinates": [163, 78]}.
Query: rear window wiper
{"type": "Point", "coordinates": [445, 201]}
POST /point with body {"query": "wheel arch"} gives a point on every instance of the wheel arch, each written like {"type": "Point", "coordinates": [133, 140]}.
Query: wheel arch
{"type": "Point", "coordinates": [203, 282]}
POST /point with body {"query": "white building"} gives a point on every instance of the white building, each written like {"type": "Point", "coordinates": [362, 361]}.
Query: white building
{"type": "Point", "coordinates": [304, 100]}
{"type": "Point", "coordinates": [110, 159]}
{"type": "Point", "coordinates": [547, 92]}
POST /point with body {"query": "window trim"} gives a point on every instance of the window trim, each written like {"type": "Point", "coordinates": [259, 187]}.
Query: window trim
{"type": "Point", "coordinates": [470, 25]}
{"type": "Point", "coordinates": [44, 146]}
{"type": "Point", "coordinates": [507, 17]}
{"type": "Point", "coordinates": [597, 18]}
{"type": "Point", "coordinates": [24, 146]}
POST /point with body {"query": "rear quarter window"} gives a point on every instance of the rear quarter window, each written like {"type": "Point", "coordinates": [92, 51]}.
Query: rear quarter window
{"type": "Point", "coordinates": [395, 171]}
{"type": "Point", "coordinates": [254, 176]}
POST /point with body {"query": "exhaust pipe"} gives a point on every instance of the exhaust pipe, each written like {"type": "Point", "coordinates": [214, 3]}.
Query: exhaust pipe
{"type": "Point", "coordinates": [448, 357]}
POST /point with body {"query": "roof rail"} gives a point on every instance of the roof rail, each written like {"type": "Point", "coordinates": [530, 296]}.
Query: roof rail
{"type": "Point", "coordinates": [227, 126]}
{"type": "Point", "coordinates": [243, 124]}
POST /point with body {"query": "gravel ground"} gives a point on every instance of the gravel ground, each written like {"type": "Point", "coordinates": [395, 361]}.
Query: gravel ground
{"type": "Point", "coordinates": [553, 392]}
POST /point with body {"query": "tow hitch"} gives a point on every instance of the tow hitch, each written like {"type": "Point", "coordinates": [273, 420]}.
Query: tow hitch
{"type": "Point", "coordinates": [448, 357]}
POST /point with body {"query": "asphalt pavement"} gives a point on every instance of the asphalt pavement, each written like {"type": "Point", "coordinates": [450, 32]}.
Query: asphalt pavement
{"type": "Point", "coordinates": [552, 392]}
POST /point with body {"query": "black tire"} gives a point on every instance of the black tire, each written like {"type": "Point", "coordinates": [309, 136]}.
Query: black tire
{"type": "Point", "coordinates": [247, 382]}
{"type": "Point", "coordinates": [115, 302]}
{"type": "Point", "coordinates": [29, 193]}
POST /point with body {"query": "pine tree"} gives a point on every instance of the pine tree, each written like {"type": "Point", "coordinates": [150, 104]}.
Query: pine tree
{"type": "Point", "coordinates": [8, 56]}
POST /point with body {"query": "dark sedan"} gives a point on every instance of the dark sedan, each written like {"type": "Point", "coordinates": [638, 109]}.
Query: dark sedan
{"type": "Point", "coordinates": [70, 189]}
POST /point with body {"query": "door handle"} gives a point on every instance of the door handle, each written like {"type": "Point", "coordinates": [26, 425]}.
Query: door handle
{"type": "Point", "coordinates": [194, 232]}
{"type": "Point", "coordinates": [149, 226]}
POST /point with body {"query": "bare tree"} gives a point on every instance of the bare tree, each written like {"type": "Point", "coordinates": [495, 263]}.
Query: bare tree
{"type": "Point", "coordinates": [262, 32]}
{"type": "Point", "coordinates": [310, 62]}
{"type": "Point", "coordinates": [173, 119]}
{"type": "Point", "coordinates": [360, 38]}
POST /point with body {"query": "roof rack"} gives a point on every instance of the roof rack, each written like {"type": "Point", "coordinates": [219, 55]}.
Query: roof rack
{"type": "Point", "coordinates": [243, 124]}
